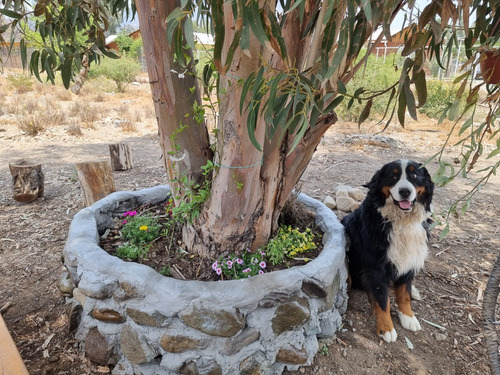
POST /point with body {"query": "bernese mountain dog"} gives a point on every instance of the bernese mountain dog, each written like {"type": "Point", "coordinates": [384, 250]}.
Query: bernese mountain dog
{"type": "Point", "coordinates": [389, 240]}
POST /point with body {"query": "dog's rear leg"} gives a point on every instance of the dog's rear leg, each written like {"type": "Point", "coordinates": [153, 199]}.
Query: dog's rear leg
{"type": "Point", "coordinates": [406, 316]}
{"type": "Point", "coordinates": [385, 328]}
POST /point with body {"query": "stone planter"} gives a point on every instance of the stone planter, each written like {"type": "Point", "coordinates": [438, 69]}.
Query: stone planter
{"type": "Point", "coordinates": [128, 315]}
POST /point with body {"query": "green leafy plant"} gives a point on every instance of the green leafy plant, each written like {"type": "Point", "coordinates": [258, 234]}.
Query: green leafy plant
{"type": "Point", "coordinates": [138, 231]}
{"type": "Point", "coordinates": [21, 82]}
{"type": "Point", "coordinates": [194, 196]}
{"type": "Point", "coordinates": [289, 242]}
{"type": "Point", "coordinates": [122, 71]}
{"type": "Point", "coordinates": [240, 267]}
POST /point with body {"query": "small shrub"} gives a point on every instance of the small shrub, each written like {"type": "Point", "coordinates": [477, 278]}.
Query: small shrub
{"type": "Point", "coordinates": [289, 242]}
{"type": "Point", "coordinates": [100, 97]}
{"type": "Point", "coordinates": [21, 82]}
{"type": "Point", "coordinates": [128, 126]}
{"type": "Point", "coordinates": [86, 113]}
{"type": "Point", "coordinates": [31, 124]}
{"type": "Point", "coordinates": [138, 231]}
{"type": "Point", "coordinates": [64, 95]}
{"type": "Point", "coordinates": [439, 94]}
{"type": "Point", "coordinates": [239, 267]}
{"type": "Point", "coordinates": [378, 75]}
{"type": "Point", "coordinates": [122, 71]}
{"type": "Point", "coordinates": [74, 130]}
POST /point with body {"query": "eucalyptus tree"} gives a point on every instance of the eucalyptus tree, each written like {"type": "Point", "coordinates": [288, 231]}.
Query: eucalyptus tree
{"type": "Point", "coordinates": [278, 70]}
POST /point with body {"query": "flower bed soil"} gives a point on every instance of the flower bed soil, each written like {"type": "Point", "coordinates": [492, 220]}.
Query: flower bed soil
{"type": "Point", "coordinates": [168, 255]}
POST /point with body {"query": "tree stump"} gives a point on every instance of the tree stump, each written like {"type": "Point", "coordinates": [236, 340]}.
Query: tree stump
{"type": "Point", "coordinates": [96, 180]}
{"type": "Point", "coordinates": [121, 156]}
{"type": "Point", "coordinates": [27, 181]}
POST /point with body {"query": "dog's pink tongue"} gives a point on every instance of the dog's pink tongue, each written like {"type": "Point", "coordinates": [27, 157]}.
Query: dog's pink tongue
{"type": "Point", "coordinates": [405, 205]}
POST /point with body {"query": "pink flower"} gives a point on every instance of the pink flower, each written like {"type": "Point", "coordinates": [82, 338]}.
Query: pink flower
{"type": "Point", "coordinates": [246, 270]}
{"type": "Point", "coordinates": [261, 272]}
{"type": "Point", "coordinates": [219, 271]}
{"type": "Point", "coordinates": [130, 213]}
{"type": "Point", "coordinates": [214, 266]}
{"type": "Point", "coordinates": [262, 264]}
{"type": "Point", "coordinates": [124, 222]}
{"type": "Point", "coordinates": [262, 252]}
{"type": "Point", "coordinates": [229, 264]}
{"type": "Point", "coordinates": [239, 261]}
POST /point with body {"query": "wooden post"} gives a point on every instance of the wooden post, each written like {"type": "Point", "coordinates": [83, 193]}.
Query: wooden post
{"type": "Point", "coordinates": [27, 181]}
{"type": "Point", "coordinates": [121, 156]}
{"type": "Point", "coordinates": [96, 180]}
{"type": "Point", "coordinates": [10, 359]}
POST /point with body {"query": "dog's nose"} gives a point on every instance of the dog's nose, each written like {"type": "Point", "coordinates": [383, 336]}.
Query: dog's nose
{"type": "Point", "coordinates": [404, 192]}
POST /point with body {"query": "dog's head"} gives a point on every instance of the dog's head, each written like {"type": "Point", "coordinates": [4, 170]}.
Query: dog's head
{"type": "Point", "coordinates": [405, 182]}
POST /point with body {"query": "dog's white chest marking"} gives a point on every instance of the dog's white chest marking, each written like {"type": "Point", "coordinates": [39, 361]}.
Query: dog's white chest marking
{"type": "Point", "coordinates": [408, 247]}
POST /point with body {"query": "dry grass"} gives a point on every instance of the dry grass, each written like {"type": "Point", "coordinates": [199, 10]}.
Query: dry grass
{"type": "Point", "coordinates": [87, 113]}
{"type": "Point", "coordinates": [128, 126]}
{"type": "Point", "coordinates": [99, 97]}
{"type": "Point", "coordinates": [74, 128]}
{"type": "Point", "coordinates": [31, 124]}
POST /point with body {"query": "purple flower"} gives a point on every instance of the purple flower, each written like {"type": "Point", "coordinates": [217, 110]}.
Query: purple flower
{"type": "Point", "coordinates": [261, 272]}
{"type": "Point", "coordinates": [214, 266]}
{"type": "Point", "coordinates": [229, 264]}
{"type": "Point", "coordinates": [246, 270]}
{"type": "Point", "coordinates": [262, 264]}
{"type": "Point", "coordinates": [262, 253]}
{"type": "Point", "coordinates": [239, 261]}
{"type": "Point", "coordinates": [219, 271]}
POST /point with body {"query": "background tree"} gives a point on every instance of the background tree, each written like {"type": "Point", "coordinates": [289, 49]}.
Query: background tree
{"type": "Point", "coordinates": [279, 69]}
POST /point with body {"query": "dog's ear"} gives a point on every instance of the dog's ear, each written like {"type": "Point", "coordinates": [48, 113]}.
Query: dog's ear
{"type": "Point", "coordinates": [429, 185]}
{"type": "Point", "coordinates": [375, 179]}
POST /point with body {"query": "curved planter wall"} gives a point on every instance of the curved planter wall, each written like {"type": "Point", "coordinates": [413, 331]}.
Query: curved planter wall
{"type": "Point", "coordinates": [131, 316]}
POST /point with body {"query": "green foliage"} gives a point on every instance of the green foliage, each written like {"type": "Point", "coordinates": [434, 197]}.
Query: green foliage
{"type": "Point", "coordinates": [194, 196]}
{"type": "Point", "coordinates": [138, 231]}
{"type": "Point", "coordinates": [21, 82]}
{"type": "Point", "coordinates": [135, 48]}
{"type": "Point", "coordinates": [141, 229]}
{"type": "Point", "coordinates": [289, 242]}
{"type": "Point", "coordinates": [240, 267]}
{"type": "Point", "coordinates": [439, 95]}
{"type": "Point", "coordinates": [131, 251]}
{"type": "Point", "coordinates": [122, 71]}
{"type": "Point", "coordinates": [124, 42]}
{"type": "Point", "coordinates": [376, 76]}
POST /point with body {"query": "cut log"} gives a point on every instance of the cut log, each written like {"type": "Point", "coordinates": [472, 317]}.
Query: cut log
{"type": "Point", "coordinates": [96, 180]}
{"type": "Point", "coordinates": [121, 156]}
{"type": "Point", "coordinates": [27, 181]}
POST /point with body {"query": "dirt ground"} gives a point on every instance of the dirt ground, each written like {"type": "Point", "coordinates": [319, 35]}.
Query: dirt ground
{"type": "Point", "coordinates": [32, 235]}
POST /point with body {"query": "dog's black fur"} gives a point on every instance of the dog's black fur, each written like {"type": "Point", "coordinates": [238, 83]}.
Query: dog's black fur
{"type": "Point", "coordinates": [386, 244]}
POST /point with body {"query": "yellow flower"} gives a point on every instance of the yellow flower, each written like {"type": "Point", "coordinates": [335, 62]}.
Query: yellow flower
{"type": "Point", "coordinates": [143, 227]}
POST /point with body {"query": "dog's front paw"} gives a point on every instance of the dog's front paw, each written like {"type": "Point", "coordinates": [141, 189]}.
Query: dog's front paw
{"type": "Point", "coordinates": [409, 322]}
{"type": "Point", "coordinates": [389, 336]}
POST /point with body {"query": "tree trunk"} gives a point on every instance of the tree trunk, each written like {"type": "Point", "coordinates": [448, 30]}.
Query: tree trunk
{"type": "Point", "coordinates": [251, 186]}
{"type": "Point", "coordinates": [96, 180]}
{"type": "Point", "coordinates": [27, 181]}
{"type": "Point", "coordinates": [184, 142]}
{"type": "Point", "coordinates": [121, 156]}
